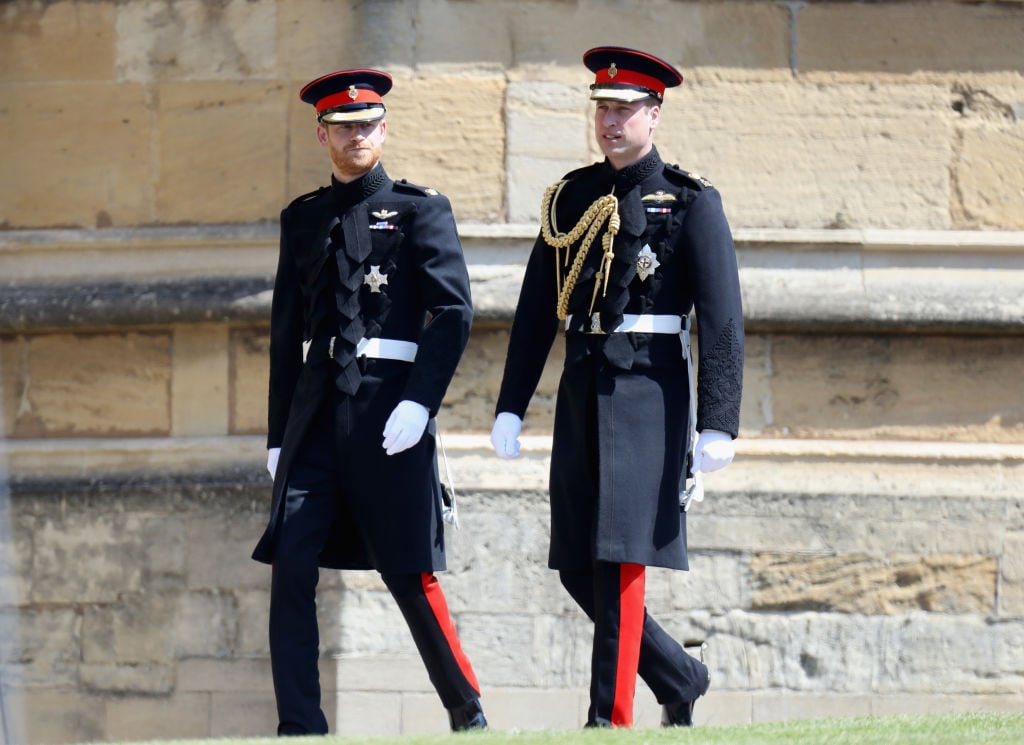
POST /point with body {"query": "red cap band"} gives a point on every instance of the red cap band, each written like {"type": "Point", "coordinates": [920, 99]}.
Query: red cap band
{"type": "Point", "coordinates": [630, 77]}
{"type": "Point", "coordinates": [345, 97]}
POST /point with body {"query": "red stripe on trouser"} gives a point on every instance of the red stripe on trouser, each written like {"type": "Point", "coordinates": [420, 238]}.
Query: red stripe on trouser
{"type": "Point", "coordinates": [435, 598]}
{"type": "Point", "coordinates": [631, 628]}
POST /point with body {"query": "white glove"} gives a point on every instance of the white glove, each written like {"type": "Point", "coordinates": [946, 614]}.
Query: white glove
{"type": "Point", "coordinates": [405, 426]}
{"type": "Point", "coordinates": [273, 454]}
{"type": "Point", "coordinates": [715, 450]}
{"type": "Point", "coordinates": [505, 434]}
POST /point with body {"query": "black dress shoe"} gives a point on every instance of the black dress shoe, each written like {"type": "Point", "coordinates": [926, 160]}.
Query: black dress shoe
{"type": "Point", "coordinates": [468, 716]}
{"type": "Point", "coordinates": [598, 723]}
{"type": "Point", "coordinates": [680, 714]}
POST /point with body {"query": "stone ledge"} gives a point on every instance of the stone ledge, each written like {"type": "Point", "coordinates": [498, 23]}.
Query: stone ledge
{"type": "Point", "coordinates": [915, 469]}
{"type": "Point", "coordinates": [37, 465]}
{"type": "Point", "coordinates": [35, 308]}
{"type": "Point", "coordinates": [39, 257]}
{"type": "Point", "coordinates": [32, 255]}
{"type": "Point", "coordinates": [793, 280]}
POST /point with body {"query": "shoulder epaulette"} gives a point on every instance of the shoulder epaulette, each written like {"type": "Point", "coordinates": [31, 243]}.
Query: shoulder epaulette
{"type": "Point", "coordinates": [426, 191]}
{"type": "Point", "coordinates": [578, 172]}
{"type": "Point", "coordinates": [309, 196]}
{"type": "Point", "coordinates": [691, 179]}
{"type": "Point", "coordinates": [573, 174]}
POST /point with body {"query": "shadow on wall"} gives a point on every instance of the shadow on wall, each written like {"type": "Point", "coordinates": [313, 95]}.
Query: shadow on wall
{"type": "Point", "coordinates": [10, 729]}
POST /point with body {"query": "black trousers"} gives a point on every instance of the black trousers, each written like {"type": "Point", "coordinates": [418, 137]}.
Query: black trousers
{"type": "Point", "coordinates": [627, 642]}
{"type": "Point", "coordinates": [310, 502]}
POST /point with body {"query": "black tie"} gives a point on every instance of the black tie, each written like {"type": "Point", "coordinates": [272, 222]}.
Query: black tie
{"type": "Point", "coordinates": [355, 233]}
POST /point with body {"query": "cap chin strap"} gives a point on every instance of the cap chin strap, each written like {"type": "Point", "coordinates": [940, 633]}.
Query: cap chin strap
{"type": "Point", "coordinates": [369, 113]}
{"type": "Point", "coordinates": [629, 95]}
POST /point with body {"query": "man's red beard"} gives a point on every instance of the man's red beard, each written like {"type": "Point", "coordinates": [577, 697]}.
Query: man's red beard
{"type": "Point", "coordinates": [354, 161]}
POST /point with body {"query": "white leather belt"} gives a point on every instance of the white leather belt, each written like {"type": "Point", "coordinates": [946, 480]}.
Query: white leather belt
{"type": "Point", "coordinates": [379, 349]}
{"type": "Point", "coordinates": [387, 349]}
{"type": "Point", "coordinates": [642, 324]}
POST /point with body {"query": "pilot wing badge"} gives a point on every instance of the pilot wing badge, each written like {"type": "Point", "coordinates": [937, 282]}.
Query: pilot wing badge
{"type": "Point", "coordinates": [383, 220]}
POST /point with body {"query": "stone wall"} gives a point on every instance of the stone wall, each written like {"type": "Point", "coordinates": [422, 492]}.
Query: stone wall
{"type": "Point", "coordinates": [141, 616]}
{"type": "Point", "coordinates": [211, 380]}
{"type": "Point", "coordinates": [861, 556]}
{"type": "Point", "coordinates": [817, 114]}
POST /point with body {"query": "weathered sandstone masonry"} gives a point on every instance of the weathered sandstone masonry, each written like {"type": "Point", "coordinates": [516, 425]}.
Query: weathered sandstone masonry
{"type": "Point", "coordinates": [865, 552]}
{"type": "Point", "coordinates": [861, 556]}
{"type": "Point", "coordinates": [805, 114]}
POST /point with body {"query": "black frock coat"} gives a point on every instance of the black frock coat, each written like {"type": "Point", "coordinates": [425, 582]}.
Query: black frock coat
{"type": "Point", "coordinates": [388, 515]}
{"type": "Point", "coordinates": [621, 418]}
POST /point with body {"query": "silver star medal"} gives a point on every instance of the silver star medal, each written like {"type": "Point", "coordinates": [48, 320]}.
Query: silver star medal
{"type": "Point", "coordinates": [646, 262]}
{"type": "Point", "coordinates": [375, 279]}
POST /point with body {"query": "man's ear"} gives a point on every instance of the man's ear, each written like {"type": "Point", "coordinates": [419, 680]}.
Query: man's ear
{"type": "Point", "coordinates": [383, 129]}
{"type": "Point", "coordinates": [655, 116]}
{"type": "Point", "coordinates": [321, 134]}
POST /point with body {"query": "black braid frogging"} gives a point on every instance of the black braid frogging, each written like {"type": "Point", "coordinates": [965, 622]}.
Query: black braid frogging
{"type": "Point", "coordinates": [720, 383]}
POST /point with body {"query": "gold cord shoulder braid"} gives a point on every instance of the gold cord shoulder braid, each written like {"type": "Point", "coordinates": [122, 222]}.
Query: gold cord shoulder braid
{"type": "Point", "coordinates": [605, 208]}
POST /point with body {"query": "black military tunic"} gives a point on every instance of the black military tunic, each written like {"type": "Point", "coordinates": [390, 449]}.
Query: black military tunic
{"type": "Point", "coordinates": [621, 420]}
{"type": "Point", "coordinates": [374, 258]}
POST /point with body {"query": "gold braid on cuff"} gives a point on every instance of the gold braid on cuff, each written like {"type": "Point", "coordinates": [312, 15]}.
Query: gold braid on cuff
{"type": "Point", "coordinates": [603, 209]}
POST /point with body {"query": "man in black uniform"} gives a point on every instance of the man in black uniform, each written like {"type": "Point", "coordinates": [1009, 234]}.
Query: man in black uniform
{"type": "Point", "coordinates": [644, 244]}
{"type": "Point", "coordinates": [370, 315]}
